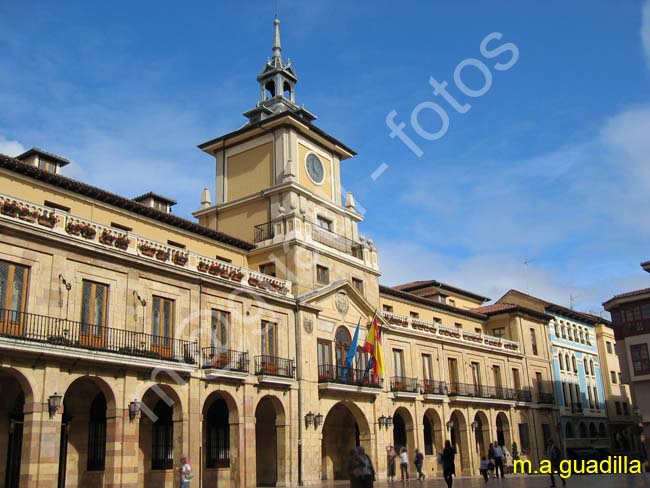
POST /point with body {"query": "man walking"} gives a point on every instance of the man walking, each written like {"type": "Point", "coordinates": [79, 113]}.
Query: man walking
{"type": "Point", "coordinates": [498, 460]}
{"type": "Point", "coordinates": [554, 454]}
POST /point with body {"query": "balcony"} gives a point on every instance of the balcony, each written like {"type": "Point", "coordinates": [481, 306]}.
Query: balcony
{"type": "Point", "coordinates": [225, 364]}
{"type": "Point", "coordinates": [50, 335]}
{"type": "Point", "coordinates": [453, 334]}
{"type": "Point", "coordinates": [403, 387]}
{"type": "Point", "coordinates": [523, 396]}
{"type": "Point", "coordinates": [545, 399]}
{"type": "Point", "coordinates": [128, 244]}
{"type": "Point", "coordinates": [274, 370]}
{"type": "Point", "coordinates": [336, 241]}
{"type": "Point", "coordinates": [472, 391]}
{"type": "Point", "coordinates": [264, 232]}
{"type": "Point", "coordinates": [434, 389]}
{"type": "Point", "coordinates": [576, 407]}
{"type": "Point", "coordinates": [333, 377]}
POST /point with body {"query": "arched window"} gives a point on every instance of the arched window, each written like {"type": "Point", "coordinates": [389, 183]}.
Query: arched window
{"type": "Point", "coordinates": [270, 89]}
{"type": "Point", "coordinates": [602, 431]}
{"type": "Point", "coordinates": [591, 367]}
{"type": "Point", "coordinates": [564, 332]}
{"type": "Point", "coordinates": [574, 363]}
{"type": "Point", "coordinates": [217, 435]}
{"type": "Point", "coordinates": [97, 434]}
{"type": "Point", "coordinates": [584, 362]}
{"type": "Point", "coordinates": [593, 433]}
{"type": "Point", "coordinates": [567, 362]}
{"type": "Point", "coordinates": [162, 439]}
{"type": "Point", "coordinates": [557, 329]}
{"type": "Point", "coordinates": [569, 430]}
{"type": "Point", "coordinates": [559, 358]}
{"type": "Point", "coordinates": [342, 341]}
{"type": "Point", "coordinates": [428, 436]}
{"type": "Point", "coordinates": [583, 430]}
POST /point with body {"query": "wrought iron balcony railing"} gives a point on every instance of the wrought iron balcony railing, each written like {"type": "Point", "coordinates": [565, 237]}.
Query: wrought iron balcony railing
{"type": "Point", "coordinates": [545, 399]}
{"type": "Point", "coordinates": [523, 395]}
{"type": "Point", "coordinates": [218, 358]}
{"type": "Point", "coordinates": [332, 373]}
{"type": "Point", "coordinates": [434, 387]}
{"type": "Point", "coordinates": [576, 407]}
{"type": "Point", "coordinates": [264, 232]}
{"type": "Point", "coordinates": [274, 366]}
{"type": "Point", "coordinates": [404, 384]}
{"type": "Point", "coordinates": [481, 391]}
{"type": "Point", "coordinates": [335, 241]}
{"type": "Point", "coordinates": [61, 332]}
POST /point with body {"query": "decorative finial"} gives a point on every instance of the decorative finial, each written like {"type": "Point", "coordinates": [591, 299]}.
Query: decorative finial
{"type": "Point", "coordinates": [277, 48]}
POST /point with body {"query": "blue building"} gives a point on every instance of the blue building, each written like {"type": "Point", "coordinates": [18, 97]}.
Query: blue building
{"type": "Point", "coordinates": [577, 379]}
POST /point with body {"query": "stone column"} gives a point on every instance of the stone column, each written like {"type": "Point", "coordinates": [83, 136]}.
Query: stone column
{"type": "Point", "coordinates": [41, 439]}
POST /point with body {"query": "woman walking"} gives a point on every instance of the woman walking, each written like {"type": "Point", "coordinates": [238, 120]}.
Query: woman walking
{"type": "Point", "coordinates": [391, 454]}
{"type": "Point", "coordinates": [404, 464]}
{"type": "Point", "coordinates": [448, 466]}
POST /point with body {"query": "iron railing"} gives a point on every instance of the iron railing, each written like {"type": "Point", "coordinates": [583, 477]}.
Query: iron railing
{"type": "Point", "coordinates": [523, 395]}
{"type": "Point", "coordinates": [481, 391]}
{"type": "Point", "coordinates": [404, 384]}
{"type": "Point", "coordinates": [217, 358]}
{"type": "Point", "coordinates": [434, 387]}
{"type": "Point", "coordinates": [274, 366]}
{"type": "Point", "coordinates": [264, 231]}
{"type": "Point", "coordinates": [576, 407]}
{"type": "Point", "coordinates": [332, 373]}
{"type": "Point", "coordinates": [62, 332]}
{"type": "Point", "coordinates": [336, 241]}
{"type": "Point", "coordinates": [545, 399]}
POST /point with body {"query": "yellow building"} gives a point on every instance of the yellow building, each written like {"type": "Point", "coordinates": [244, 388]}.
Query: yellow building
{"type": "Point", "coordinates": [130, 336]}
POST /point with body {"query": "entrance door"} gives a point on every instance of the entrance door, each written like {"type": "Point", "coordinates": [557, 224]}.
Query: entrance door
{"type": "Point", "coordinates": [92, 332]}
{"type": "Point", "coordinates": [14, 450]}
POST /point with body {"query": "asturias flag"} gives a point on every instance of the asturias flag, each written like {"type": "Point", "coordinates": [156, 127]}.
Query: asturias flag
{"type": "Point", "coordinates": [351, 352]}
{"type": "Point", "coordinates": [374, 347]}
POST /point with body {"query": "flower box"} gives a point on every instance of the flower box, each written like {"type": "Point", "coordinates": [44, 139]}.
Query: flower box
{"type": "Point", "coordinates": [47, 220]}
{"type": "Point", "coordinates": [236, 275]}
{"type": "Point", "coordinates": [147, 250]}
{"type": "Point", "coordinates": [162, 255]}
{"type": "Point", "coordinates": [86, 231]}
{"type": "Point", "coordinates": [253, 281]}
{"type": "Point", "coordinates": [122, 242]}
{"type": "Point", "coordinates": [10, 208]}
{"type": "Point", "coordinates": [27, 215]}
{"type": "Point", "coordinates": [202, 266]}
{"type": "Point", "coordinates": [106, 238]}
{"type": "Point", "coordinates": [214, 269]}
{"type": "Point", "coordinates": [179, 259]}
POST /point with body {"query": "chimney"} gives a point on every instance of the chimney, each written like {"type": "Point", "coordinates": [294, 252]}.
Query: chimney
{"type": "Point", "coordinates": [158, 202]}
{"type": "Point", "coordinates": [43, 160]}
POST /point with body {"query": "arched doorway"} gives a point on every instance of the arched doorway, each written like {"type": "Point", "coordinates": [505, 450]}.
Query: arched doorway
{"type": "Point", "coordinates": [403, 433]}
{"type": "Point", "coordinates": [459, 440]}
{"type": "Point", "coordinates": [83, 443]}
{"type": "Point", "coordinates": [503, 431]}
{"type": "Point", "coordinates": [160, 436]}
{"type": "Point", "coordinates": [220, 440]}
{"type": "Point", "coordinates": [12, 402]}
{"type": "Point", "coordinates": [345, 427]}
{"type": "Point", "coordinates": [481, 434]}
{"type": "Point", "coordinates": [433, 436]}
{"type": "Point", "coordinates": [270, 442]}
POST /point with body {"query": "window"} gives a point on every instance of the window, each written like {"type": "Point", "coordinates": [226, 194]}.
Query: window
{"type": "Point", "coordinates": [97, 434]}
{"type": "Point", "coordinates": [584, 361]}
{"type": "Point", "coordinates": [414, 315]}
{"type": "Point", "coordinates": [56, 206]}
{"type": "Point", "coordinates": [267, 269]}
{"type": "Point", "coordinates": [387, 308]}
{"type": "Point", "coordinates": [322, 274]}
{"type": "Point", "coordinates": [476, 374]}
{"type": "Point", "coordinates": [620, 378]}
{"type": "Point", "coordinates": [533, 341]}
{"type": "Point", "coordinates": [217, 435]}
{"type": "Point", "coordinates": [13, 291]}
{"type": "Point", "coordinates": [125, 228]}
{"type": "Point", "coordinates": [613, 375]}
{"type": "Point", "coordinates": [437, 320]}
{"type": "Point", "coordinates": [478, 330]}
{"type": "Point", "coordinates": [618, 408]}
{"type": "Point", "coordinates": [591, 367]}
{"type": "Point", "coordinates": [427, 367]}
{"type": "Point", "coordinates": [361, 359]}
{"type": "Point", "coordinates": [640, 359]}
{"type": "Point", "coordinates": [162, 320]}
{"type": "Point", "coordinates": [564, 336]}
{"type": "Point", "coordinates": [176, 244]}
{"type": "Point", "coordinates": [516, 380]}
{"type": "Point", "coordinates": [591, 399]}
{"type": "Point", "coordinates": [220, 329]}
{"type": "Point", "coordinates": [565, 394]}
{"type": "Point", "coordinates": [574, 364]}
{"type": "Point", "coordinates": [48, 166]}
{"type": "Point", "coordinates": [524, 438]}
{"type": "Point", "coordinates": [499, 332]}
{"type": "Point", "coordinates": [324, 355]}
{"type": "Point", "coordinates": [324, 223]}
{"type": "Point", "coordinates": [269, 338]}
{"type": "Point", "coordinates": [625, 409]}
{"type": "Point", "coordinates": [162, 448]}
{"type": "Point", "coordinates": [428, 436]}
{"type": "Point", "coordinates": [539, 383]}
{"type": "Point", "coordinates": [496, 370]}
{"type": "Point", "coordinates": [609, 347]}
{"type": "Point", "coordinates": [557, 329]}
{"type": "Point", "coordinates": [223, 259]}
{"type": "Point", "coordinates": [358, 284]}
{"type": "Point", "coordinates": [596, 403]}
{"type": "Point", "coordinates": [559, 358]}
{"type": "Point", "coordinates": [452, 370]}
{"type": "Point", "coordinates": [342, 341]}
{"type": "Point", "coordinates": [398, 362]}
{"type": "Point", "coordinates": [93, 309]}
{"type": "Point", "coordinates": [451, 302]}
{"type": "Point", "coordinates": [458, 325]}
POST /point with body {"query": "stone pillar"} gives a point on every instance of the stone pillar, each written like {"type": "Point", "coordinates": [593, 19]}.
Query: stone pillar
{"type": "Point", "coordinates": [121, 449]}
{"type": "Point", "coordinates": [41, 439]}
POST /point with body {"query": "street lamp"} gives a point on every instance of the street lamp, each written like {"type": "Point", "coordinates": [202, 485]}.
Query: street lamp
{"type": "Point", "coordinates": [318, 419]}
{"type": "Point", "coordinates": [134, 409]}
{"type": "Point", "coordinates": [309, 418]}
{"type": "Point", "coordinates": [389, 421]}
{"type": "Point", "coordinates": [450, 425]}
{"type": "Point", "coordinates": [53, 404]}
{"type": "Point", "coordinates": [474, 425]}
{"type": "Point", "coordinates": [382, 421]}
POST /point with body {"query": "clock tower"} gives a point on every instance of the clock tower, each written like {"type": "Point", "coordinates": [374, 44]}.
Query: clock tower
{"type": "Point", "coordinates": [278, 185]}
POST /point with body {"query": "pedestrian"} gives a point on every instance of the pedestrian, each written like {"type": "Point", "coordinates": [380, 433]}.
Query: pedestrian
{"type": "Point", "coordinates": [448, 466]}
{"type": "Point", "coordinates": [355, 470]}
{"type": "Point", "coordinates": [419, 461]}
{"type": "Point", "coordinates": [498, 460]}
{"type": "Point", "coordinates": [491, 460]}
{"type": "Point", "coordinates": [404, 464]}
{"type": "Point", "coordinates": [554, 455]}
{"type": "Point", "coordinates": [368, 470]}
{"type": "Point", "coordinates": [186, 472]}
{"type": "Point", "coordinates": [391, 454]}
{"type": "Point", "coordinates": [484, 468]}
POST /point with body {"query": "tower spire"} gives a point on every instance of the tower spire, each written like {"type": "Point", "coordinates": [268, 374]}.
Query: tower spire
{"type": "Point", "coordinates": [277, 47]}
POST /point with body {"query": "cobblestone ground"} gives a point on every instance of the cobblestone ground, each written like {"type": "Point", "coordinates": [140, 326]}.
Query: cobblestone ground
{"type": "Point", "coordinates": [591, 481]}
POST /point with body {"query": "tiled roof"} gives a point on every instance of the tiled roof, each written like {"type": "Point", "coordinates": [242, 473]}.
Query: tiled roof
{"type": "Point", "coordinates": [498, 308]}
{"type": "Point", "coordinates": [559, 309]}
{"type": "Point", "coordinates": [415, 285]}
{"type": "Point", "coordinates": [35, 150]}
{"type": "Point", "coordinates": [155, 196]}
{"type": "Point", "coordinates": [387, 290]}
{"type": "Point", "coordinates": [631, 293]}
{"type": "Point", "coordinates": [12, 164]}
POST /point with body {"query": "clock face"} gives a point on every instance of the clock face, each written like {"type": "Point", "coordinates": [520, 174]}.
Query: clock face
{"type": "Point", "coordinates": [315, 169]}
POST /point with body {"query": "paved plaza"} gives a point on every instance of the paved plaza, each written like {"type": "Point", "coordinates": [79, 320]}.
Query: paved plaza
{"type": "Point", "coordinates": [591, 481]}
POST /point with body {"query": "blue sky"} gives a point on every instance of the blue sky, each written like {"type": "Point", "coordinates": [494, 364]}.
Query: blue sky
{"type": "Point", "coordinates": [551, 165]}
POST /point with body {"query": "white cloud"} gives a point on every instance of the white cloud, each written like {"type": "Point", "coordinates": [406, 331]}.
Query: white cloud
{"type": "Point", "coordinates": [10, 148]}
{"type": "Point", "coordinates": [645, 30]}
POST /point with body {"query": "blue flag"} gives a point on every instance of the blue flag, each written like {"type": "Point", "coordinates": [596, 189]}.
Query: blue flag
{"type": "Point", "coordinates": [351, 352]}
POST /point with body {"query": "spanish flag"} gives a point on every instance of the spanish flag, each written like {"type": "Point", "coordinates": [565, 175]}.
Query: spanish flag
{"type": "Point", "coordinates": [374, 347]}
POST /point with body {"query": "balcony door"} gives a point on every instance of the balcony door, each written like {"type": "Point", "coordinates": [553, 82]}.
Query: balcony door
{"type": "Point", "coordinates": [220, 325]}
{"type": "Point", "coordinates": [452, 371]}
{"type": "Point", "coordinates": [162, 327]}
{"type": "Point", "coordinates": [342, 341]}
{"type": "Point", "coordinates": [270, 347]}
{"type": "Point", "coordinates": [92, 332]}
{"type": "Point", "coordinates": [13, 295]}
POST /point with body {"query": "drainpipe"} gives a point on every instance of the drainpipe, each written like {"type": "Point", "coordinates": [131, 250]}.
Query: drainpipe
{"type": "Point", "coordinates": [299, 379]}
